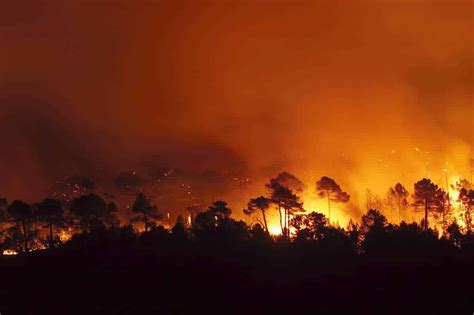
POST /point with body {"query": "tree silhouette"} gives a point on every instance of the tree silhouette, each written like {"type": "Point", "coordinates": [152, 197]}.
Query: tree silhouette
{"type": "Point", "coordinates": [220, 209]}
{"type": "Point", "coordinates": [466, 199]}
{"type": "Point", "coordinates": [51, 212]}
{"type": "Point", "coordinates": [454, 234]}
{"type": "Point", "coordinates": [23, 217]}
{"type": "Point", "coordinates": [287, 180]}
{"type": "Point", "coordinates": [373, 219]}
{"type": "Point", "coordinates": [259, 204]}
{"type": "Point", "coordinates": [399, 195]}
{"type": "Point", "coordinates": [90, 210]}
{"type": "Point", "coordinates": [310, 226]}
{"type": "Point", "coordinates": [179, 231]}
{"type": "Point", "coordinates": [373, 227]}
{"type": "Point", "coordinates": [147, 212]}
{"type": "Point", "coordinates": [111, 215]}
{"type": "Point", "coordinates": [283, 192]}
{"type": "Point", "coordinates": [462, 183]}
{"type": "Point", "coordinates": [328, 188]}
{"type": "Point", "coordinates": [289, 202]}
{"type": "Point", "coordinates": [354, 233]}
{"type": "Point", "coordinates": [3, 209]}
{"type": "Point", "coordinates": [443, 207]}
{"type": "Point", "coordinates": [426, 194]}
{"type": "Point", "coordinates": [372, 201]}
{"type": "Point", "coordinates": [214, 226]}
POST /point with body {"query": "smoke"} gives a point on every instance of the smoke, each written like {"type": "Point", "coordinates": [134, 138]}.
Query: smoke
{"type": "Point", "coordinates": [355, 91]}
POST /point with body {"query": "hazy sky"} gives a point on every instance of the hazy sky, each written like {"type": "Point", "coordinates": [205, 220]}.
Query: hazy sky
{"type": "Point", "coordinates": [341, 88]}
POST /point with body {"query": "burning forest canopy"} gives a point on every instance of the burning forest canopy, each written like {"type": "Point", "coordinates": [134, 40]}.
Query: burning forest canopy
{"type": "Point", "coordinates": [201, 101]}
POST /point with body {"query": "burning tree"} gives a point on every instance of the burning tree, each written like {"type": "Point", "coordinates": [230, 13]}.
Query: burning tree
{"type": "Point", "coordinates": [443, 207]}
{"type": "Point", "coordinates": [327, 187]}
{"type": "Point", "coordinates": [146, 211]}
{"type": "Point", "coordinates": [260, 204]}
{"type": "Point", "coordinates": [398, 197]}
{"type": "Point", "coordinates": [466, 199]}
{"type": "Point", "coordinates": [373, 201]}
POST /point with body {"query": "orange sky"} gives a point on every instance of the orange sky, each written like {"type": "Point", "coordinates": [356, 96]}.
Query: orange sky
{"type": "Point", "coordinates": [347, 89]}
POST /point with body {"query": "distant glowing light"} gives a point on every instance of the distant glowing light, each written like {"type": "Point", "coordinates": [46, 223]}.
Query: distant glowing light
{"type": "Point", "coordinates": [274, 230]}
{"type": "Point", "coordinates": [9, 252]}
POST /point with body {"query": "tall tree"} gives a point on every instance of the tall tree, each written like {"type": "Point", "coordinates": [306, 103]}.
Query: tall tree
{"type": "Point", "coordinates": [399, 196]}
{"type": "Point", "coordinates": [287, 201]}
{"type": "Point", "coordinates": [373, 201]}
{"type": "Point", "coordinates": [147, 212]}
{"type": "Point", "coordinates": [283, 192]}
{"type": "Point", "coordinates": [327, 187]}
{"type": "Point", "coordinates": [259, 204]}
{"type": "Point", "coordinates": [23, 217]}
{"type": "Point", "coordinates": [90, 210]}
{"type": "Point", "coordinates": [426, 194]}
{"type": "Point", "coordinates": [287, 180]}
{"type": "Point", "coordinates": [373, 219]}
{"type": "Point", "coordinates": [292, 206]}
{"type": "Point", "coordinates": [442, 207]}
{"type": "Point", "coordinates": [51, 212]}
{"type": "Point", "coordinates": [466, 199]}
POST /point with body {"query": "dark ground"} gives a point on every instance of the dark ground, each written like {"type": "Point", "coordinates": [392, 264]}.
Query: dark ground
{"type": "Point", "coordinates": [139, 280]}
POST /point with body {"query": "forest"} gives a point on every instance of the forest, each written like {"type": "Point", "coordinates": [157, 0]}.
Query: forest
{"type": "Point", "coordinates": [79, 250]}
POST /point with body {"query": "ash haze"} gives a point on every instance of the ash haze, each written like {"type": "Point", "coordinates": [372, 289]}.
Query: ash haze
{"type": "Point", "coordinates": [367, 92]}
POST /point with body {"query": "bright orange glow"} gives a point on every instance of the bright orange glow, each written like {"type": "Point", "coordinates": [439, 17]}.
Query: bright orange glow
{"type": "Point", "coordinates": [274, 229]}
{"type": "Point", "coordinates": [65, 235]}
{"type": "Point", "coordinates": [9, 252]}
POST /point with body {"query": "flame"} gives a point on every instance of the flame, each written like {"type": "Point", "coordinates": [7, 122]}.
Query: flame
{"type": "Point", "coordinates": [9, 252]}
{"type": "Point", "coordinates": [274, 229]}
{"type": "Point", "coordinates": [65, 235]}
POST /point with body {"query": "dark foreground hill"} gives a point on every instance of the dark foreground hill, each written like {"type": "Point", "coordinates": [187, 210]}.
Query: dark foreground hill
{"type": "Point", "coordinates": [94, 274]}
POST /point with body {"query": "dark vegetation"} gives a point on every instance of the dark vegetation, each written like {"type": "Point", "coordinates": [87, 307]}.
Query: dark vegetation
{"type": "Point", "coordinates": [216, 264]}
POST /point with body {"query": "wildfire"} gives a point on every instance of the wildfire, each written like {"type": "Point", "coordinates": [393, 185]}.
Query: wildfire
{"type": "Point", "coordinates": [65, 235]}
{"type": "Point", "coordinates": [9, 252]}
{"type": "Point", "coordinates": [274, 229]}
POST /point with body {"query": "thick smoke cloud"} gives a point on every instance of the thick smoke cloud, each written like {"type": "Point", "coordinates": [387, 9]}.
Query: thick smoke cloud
{"type": "Point", "coordinates": [347, 90]}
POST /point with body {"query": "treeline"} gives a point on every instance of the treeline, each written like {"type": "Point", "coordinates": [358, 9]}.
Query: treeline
{"type": "Point", "coordinates": [52, 221]}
